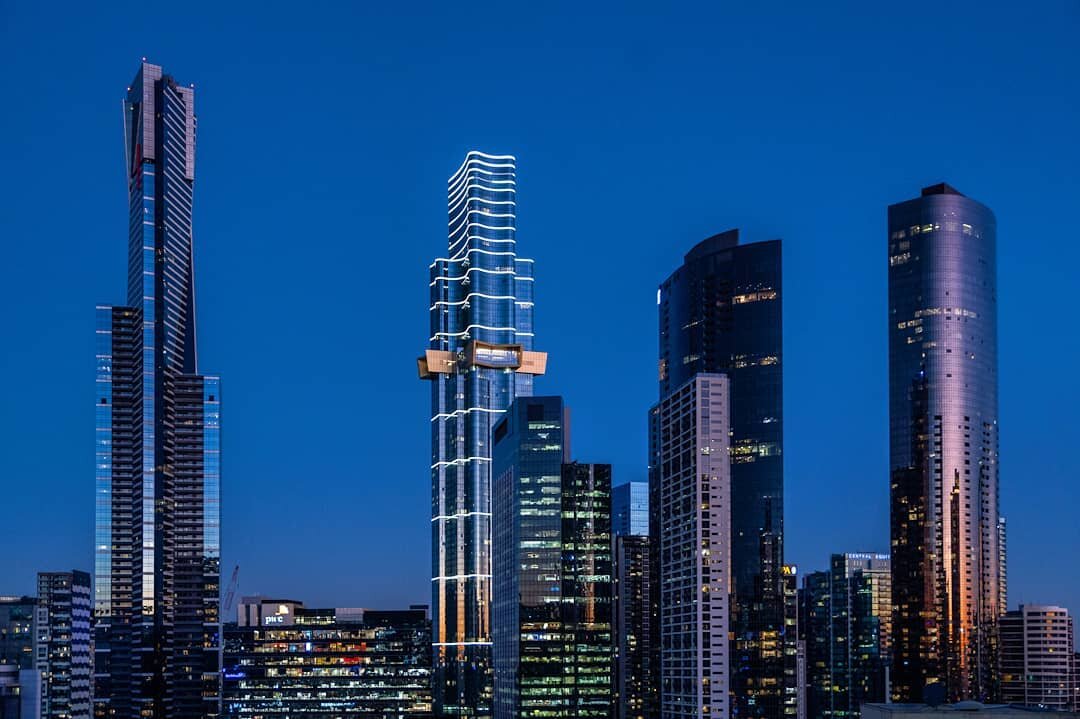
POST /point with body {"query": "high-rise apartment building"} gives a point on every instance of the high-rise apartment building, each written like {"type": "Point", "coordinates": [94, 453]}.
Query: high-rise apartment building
{"type": "Point", "coordinates": [284, 659]}
{"type": "Point", "coordinates": [1037, 658]}
{"type": "Point", "coordinates": [630, 509]}
{"type": "Point", "coordinates": [690, 501]}
{"type": "Point", "coordinates": [635, 694]}
{"type": "Point", "coordinates": [479, 359]}
{"type": "Point", "coordinates": [552, 619]}
{"type": "Point", "coordinates": [943, 407]}
{"type": "Point", "coordinates": [720, 312]}
{"type": "Point", "coordinates": [848, 613]}
{"type": "Point", "coordinates": [62, 644]}
{"type": "Point", "coordinates": [157, 549]}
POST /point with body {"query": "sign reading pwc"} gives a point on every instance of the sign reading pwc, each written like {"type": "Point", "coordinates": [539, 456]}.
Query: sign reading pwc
{"type": "Point", "coordinates": [283, 616]}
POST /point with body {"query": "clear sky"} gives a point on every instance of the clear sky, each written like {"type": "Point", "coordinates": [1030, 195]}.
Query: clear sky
{"type": "Point", "coordinates": [326, 134]}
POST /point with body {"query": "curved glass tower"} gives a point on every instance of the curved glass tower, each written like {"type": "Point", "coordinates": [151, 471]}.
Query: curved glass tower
{"type": "Point", "coordinates": [943, 412]}
{"type": "Point", "coordinates": [479, 359]}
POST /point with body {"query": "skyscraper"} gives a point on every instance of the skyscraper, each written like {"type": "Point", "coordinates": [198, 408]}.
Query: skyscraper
{"type": "Point", "coordinates": [552, 619]}
{"type": "Point", "coordinates": [479, 359]}
{"type": "Point", "coordinates": [848, 618]}
{"type": "Point", "coordinates": [62, 644]}
{"type": "Point", "coordinates": [1037, 657]}
{"type": "Point", "coordinates": [630, 509]}
{"type": "Point", "coordinates": [691, 487]}
{"type": "Point", "coordinates": [157, 549]}
{"type": "Point", "coordinates": [946, 563]}
{"type": "Point", "coordinates": [635, 693]}
{"type": "Point", "coordinates": [721, 312]}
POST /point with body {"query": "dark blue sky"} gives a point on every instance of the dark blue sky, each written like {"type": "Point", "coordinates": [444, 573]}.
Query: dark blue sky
{"type": "Point", "coordinates": [325, 139]}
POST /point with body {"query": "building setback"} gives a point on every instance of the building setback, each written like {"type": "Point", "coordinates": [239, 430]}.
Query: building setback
{"type": "Point", "coordinates": [479, 359]}
{"type": "Point", "coordinates": [720, 312]}
{"type": "Point", "coordinates": [62, 644]}
{"type": "Point", "coordinates": [943, 410]}
{"type": "Point", "coordinates": [157, 518]}
{"type": "Point", "coordinates": [284, 659]}
{"type": "Point", "coordinates": [690, 498]}
{"type": "Point", "coordinates": [1037, 658]}
{"type": "Point", "coordinates": [552, 619]}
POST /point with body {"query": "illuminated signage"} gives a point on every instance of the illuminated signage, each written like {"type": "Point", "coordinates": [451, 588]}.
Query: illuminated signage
{"type": "Point", "coordinates": [274, 619]}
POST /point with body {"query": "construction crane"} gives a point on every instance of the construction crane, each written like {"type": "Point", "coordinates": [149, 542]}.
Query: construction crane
{"type": "Point", "coordinates": [230, 593]}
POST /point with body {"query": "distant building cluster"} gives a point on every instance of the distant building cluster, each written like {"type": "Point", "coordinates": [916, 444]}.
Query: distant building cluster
{"type": "Point", "coordinates": [557, 591]}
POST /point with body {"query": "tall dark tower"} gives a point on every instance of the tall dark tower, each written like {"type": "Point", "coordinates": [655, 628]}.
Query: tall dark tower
{"type": "Point", "coordinates": [721, 313]}
{"type": "Point", "coordinates": [157, 528]}
{"type": "Point", "coordinates": [943, 428]}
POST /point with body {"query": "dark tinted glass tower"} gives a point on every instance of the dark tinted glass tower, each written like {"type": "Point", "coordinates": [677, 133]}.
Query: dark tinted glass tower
{"type": "Point", "coordinates": [635, 696]}
{"type": "Point", "coordinates": [848, 613]}
{"type": "Point", "coordinates": [62, 644]}
{"type": "Point", "coordinates": [157, 548]}
{"type": "Point", "coordinates": [721, 312]}
{"type": "Point", "coordinates": [634, 691]}
{"type": "Point", "coordinates": [479, 359]}
{"type": "Point", "coordinates": [943, 407]}
{"type": "Point", "coordinates": [552, 619]}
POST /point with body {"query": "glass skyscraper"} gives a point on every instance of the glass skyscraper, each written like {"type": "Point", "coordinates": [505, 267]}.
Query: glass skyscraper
{"type": "Point", "coordinates": [943, 407]}
{"type": "Point", "coordinates": [848, 613]}
{"type": "Point", "coordinates": [720, 312]}
{"type": "Point", "coordinates": [479, 359]}
{"type": "Point", "coordinates": [157, 548]}
{"type": "Point", "coordinates": [552, 619]}
{"type": "Point", "coordinates": [635, 694]}
{"type": "Point", "coordinates": [630, 509]}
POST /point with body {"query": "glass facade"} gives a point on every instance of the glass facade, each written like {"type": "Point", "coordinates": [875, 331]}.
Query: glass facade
{"type": "Point", "coordinates": [946, 561]}
{"type": "Point", "coordinates": [62, 644]}
{"type": "Point", "coordinates": [630, 508]}
{"type": "Point", "coordinates": [479, 360]}
{"type": "Point", "coordinates": [328, 663]}
{"type": "Point", "coordinates": [849, 615]}
{"type": "Point", "coordinates": [721, 312]}
{"type": "Point", "coordinates": [552, 621]}
{"type": "Point", "coordinates": [157, 515]}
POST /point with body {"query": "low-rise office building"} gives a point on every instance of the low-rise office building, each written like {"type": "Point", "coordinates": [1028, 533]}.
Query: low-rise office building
{"type": "Point", "coordinates": [283, 659]}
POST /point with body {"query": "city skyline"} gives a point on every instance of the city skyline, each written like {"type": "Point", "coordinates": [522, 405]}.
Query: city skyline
{"type": "Point", "coordinates": [567, 331]}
